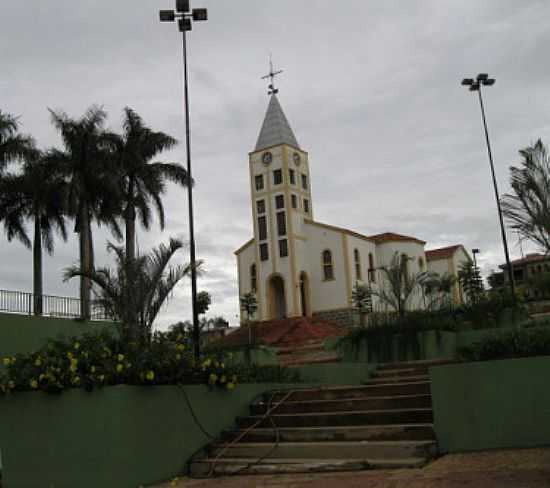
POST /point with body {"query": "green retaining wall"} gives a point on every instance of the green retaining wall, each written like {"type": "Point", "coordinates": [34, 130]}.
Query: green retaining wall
{"type": "Point", "coordinates": [492, 404]}
{"type": "Point", "coordinates": [119, 437]}
{"type": "Point", "coordinates": [430, 345]}
{"type": "Point", "coordinates": [27, 333]}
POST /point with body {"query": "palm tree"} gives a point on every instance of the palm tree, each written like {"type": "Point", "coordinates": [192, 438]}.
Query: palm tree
{"type": "Point", "coordinates": [398, 285]}
{"type": "Point", "coordinates": [134, 293]}
{"type": "Point", "coordinates": [13, 146]}
{"type": "Point", "coordinates": [361, 300]}
{"type": "Point", "coordinates": [528, 207]}
{"type": "Point", "coordinates": [36, 194]}
{"type": "Point", "coordinates": [143, 182]}
{"type": "Point", "coordinates": [437, 288]}
{"type": "Point", "coordinates": [92, 190]}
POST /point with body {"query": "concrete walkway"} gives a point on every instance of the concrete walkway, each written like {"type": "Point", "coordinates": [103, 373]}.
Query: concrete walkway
{"type": "Point", "coordinates": [528, 468]}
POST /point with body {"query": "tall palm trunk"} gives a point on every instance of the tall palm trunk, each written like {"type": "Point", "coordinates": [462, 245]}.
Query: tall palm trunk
{"type": "Point", "coordinates": [130, 221]}
{"type": "Point", "coordinates": [37, 266]}
{"type": "Point", "coordinates": [85, 261]}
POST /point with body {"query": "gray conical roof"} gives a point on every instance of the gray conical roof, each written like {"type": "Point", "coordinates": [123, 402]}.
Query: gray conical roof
{"type": "Point", "coordinates": [275, 129]}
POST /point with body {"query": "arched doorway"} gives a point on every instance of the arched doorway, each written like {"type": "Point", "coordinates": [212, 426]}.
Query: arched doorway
{"type": "Point", "coordinates": [277, 299]}
{"type": "Point", "coordinates": [304, 294]}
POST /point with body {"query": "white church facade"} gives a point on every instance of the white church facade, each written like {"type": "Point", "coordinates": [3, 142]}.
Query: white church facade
{"type": "Point", "coordinates": [295, 265]}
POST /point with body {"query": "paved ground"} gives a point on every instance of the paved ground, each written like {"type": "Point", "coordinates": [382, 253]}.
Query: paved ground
{"type": "Point", "coordinates": [528, 468]}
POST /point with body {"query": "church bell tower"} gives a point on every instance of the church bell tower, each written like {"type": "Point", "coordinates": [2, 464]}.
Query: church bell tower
{"type": "Point", "coordinates": [281, 201]}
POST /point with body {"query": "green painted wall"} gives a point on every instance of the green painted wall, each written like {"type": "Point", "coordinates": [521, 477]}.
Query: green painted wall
{"type": "Point", "coordinates": [336, 373]}
{"type": "Point", "coordinates": [492, 404]}
{"type": "Point", "coordinates": [26, 333]}
{"type": "Point", "coordinates": [119, 437]}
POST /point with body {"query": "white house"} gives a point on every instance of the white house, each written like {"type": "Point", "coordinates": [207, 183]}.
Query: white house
{"type": "Point", "coordinates": [295, 265]}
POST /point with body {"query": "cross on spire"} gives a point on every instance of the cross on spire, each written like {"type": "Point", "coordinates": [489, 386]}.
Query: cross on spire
{"type": "Point", "coordinates": [271, 90]}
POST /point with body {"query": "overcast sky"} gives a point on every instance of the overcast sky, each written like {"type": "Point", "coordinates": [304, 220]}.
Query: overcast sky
{"type": "Point", "coordinates": [371, 89]}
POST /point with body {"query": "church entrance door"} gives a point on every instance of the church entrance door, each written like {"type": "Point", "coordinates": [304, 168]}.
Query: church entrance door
{"type": "Point", "coordinates": [277, 298]}
{"type": "Point", "coordinates": [304, 294]}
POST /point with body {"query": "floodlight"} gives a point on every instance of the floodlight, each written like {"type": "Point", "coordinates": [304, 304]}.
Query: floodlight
{"type": "Point", "coordinates": [474, 87]}
{"type": "Point", "coordinates": [482, 76]}
{"type": "Point", "coordinates": [182, 5]}
{"type": "Point", "coordinates": [467, 81]}
{"type": "Point", "coordinates": [489, 82]}
{"type": "Point", "coordinates": [167, 15]}
{"type": "Point", "coordinates": [200, 14]}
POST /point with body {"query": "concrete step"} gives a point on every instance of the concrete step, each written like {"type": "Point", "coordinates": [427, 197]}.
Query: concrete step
{"type": "Point", "coordinates": [311, 358]}
{"type": "Point", "coordinates": [341, 434]}
{"type": "Point", "coordinates": [327, 450]}
{"type": "Point", "coordinates": [345, 392]}
{"type": "Point", "coordinates": [396, 379]}
{"type": "Point", "coordinates": [367, 417]}
{"type": "Point", "coordinates": [314, 346]}
{"type": "Point", "coordinates": [230, 466]}
{"type": "Point", "coordinates": [426, 363]}
{"type": "Point", "coordinates": [401, 373]}
{"type": "Point", "coordinates": [345, 405]}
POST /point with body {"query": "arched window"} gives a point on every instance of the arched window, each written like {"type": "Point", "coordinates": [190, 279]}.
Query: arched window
{"type": "Point", "coordinates": [328, 268]}
{"type": "Point", "coordinates": [372, 274]}
{"type": "Point", "coordinates": [253, 278]}
{"type": "Point", "coordinates": [357, 261]}
{"type": "Point", "coordinates": [405, 264]}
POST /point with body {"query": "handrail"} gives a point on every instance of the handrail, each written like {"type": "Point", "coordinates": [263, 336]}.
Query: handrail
{"type": "Point", "coordinates": [23, 302]}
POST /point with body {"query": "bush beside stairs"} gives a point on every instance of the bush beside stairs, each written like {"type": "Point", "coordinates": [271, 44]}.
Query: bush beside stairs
{"type": "Point", "coordinates": [385, 423]}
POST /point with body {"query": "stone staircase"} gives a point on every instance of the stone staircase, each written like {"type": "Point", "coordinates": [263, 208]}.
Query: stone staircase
{"type": "Point", "coordinates": [312, 352]}
{"type": "Point", "coordinates": [385, 423]}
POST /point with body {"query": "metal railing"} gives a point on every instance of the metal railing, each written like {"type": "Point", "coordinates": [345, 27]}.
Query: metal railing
{"type": "Point", "coordinates": [47, 305]}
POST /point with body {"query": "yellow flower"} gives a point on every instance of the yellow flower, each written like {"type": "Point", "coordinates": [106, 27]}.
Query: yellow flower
{"type": "Point", "coordinates": [34, 384]}
{"type": "Point", "coordinates": [222, 366]}
{"type": "Point", "coordinates": [85, 354]}
{"type": "Point", "coordinates": [223, 379]}
{"type": "Point", "coordinates": [76, 380]}
{"type": "Point", "coordinates": [6, 361]}
{"type": "Point", "coordinates": [230, 386]}
{"type": "Point", "coordinates": [101, 377]}
{"type": "Point", "coordinates": [41, 377]}
{"type": "Point", "coordinates": [180, 347]}
{"type": "Point", "coordinates": [92, 369]}
{"type": "Point", "coordinates": [150, 375]}
{"type": "Point", "coordinates": [213, 378]}
{"type": "Point", "coordinates": [38, 361]}
{"type": "Point", "coordinates": [120, 357]}
{"type": "Point", "coordinates": [119, 368]}
{"type": "Point", "coordinates": [76, 345]}
{"type": "Point", "coordinates": [207, 363]}
{"type": "Point", "coordinates": [178, 356]}
{"type": "Point", "coordinates": [128, 365]}
{"type": "Point", "coordinates": [11, 384]}
{"type": "Point", "coordinates": [70, 355]}
{"type": "Point", "coordinates": [174, 482]}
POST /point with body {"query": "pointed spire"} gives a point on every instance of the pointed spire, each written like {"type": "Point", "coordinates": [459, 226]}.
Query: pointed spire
{"type": "Point", "coordinates": [275, 129]}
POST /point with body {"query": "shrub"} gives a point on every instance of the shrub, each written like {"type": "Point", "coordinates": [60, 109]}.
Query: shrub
{"type": "Point", "coordinates": [100, 359]}
{"type": "Point", "coordinates": [533, 341]}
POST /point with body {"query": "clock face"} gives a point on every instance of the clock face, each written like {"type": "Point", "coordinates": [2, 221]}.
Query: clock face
{"type": "Point", "coordinates": [296, 157]}
{"type": "Point", "coordinates": [267, 157]}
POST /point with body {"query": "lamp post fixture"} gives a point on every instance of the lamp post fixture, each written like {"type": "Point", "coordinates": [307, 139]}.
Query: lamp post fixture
{"type": "Point", "coordinates": [184, 16]}
{"type": "Point", "coordinates": [475, 85]}
{"type": "Point", "coordinates": [474, 252]}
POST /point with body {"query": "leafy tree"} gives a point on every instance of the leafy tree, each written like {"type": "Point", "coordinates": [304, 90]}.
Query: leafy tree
{"type": "Point", "coordinates": [249, 304]}
{"type": "Point", "coordinates": [13, 145]}
{"type": "Point", "coordinates": [398, 285]}
{"type": "Point", "coordinates": [36, 194]}
{"type": "Point", "coordinates": [134, 293]}
{"type": "Point", "coordinates": [528, 207]}
{"type": "Point", "coordinates": [203, 302]}
{"type": "Point", "coordinates": [92, 183]}
{"type": "Point", "coordinates": [471, 281]}
{"type": "Point", "coordinates": [361, 300]}
{"type": "Point", "coordinates": [143, 182]}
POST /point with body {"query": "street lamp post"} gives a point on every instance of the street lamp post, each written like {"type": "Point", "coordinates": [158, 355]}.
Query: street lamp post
{"type": "Point", "coordinates": [475, 85]}
{"type": "Point", "coordinates": [184, 16]}
{"type": "Point", "coordinates": [474, 252]}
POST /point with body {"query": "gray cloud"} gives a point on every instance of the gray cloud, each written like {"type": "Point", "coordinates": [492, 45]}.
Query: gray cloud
{"type": "Point", "coordinates": [372, 90]}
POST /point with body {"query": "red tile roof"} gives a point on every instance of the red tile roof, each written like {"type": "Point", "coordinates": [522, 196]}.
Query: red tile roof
{"type": "Point", "coordinates": [442, 252]}
{"type": "Point", "coordinates": [392, 237]}
{"type": "Point", "coordinates": [530, 258]}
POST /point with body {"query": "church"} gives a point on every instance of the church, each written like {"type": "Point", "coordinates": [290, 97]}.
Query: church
{"type": "Point", "coordinates": [297, 266]}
